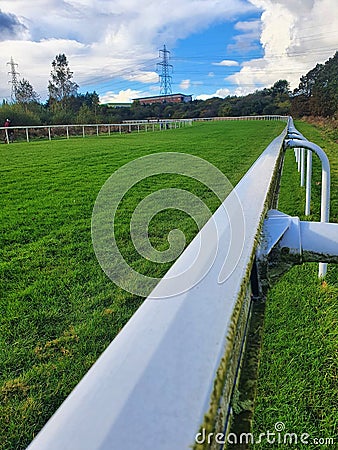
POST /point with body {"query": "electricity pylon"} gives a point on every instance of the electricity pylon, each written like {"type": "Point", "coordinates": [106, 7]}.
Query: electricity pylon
{"type": "Point", "coordinates": [14, 80]}
{"type": "Point", "coordinates": [165, 78]}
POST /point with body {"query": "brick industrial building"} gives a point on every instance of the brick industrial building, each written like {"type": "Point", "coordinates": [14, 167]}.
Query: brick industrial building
{"type": "Point", "coordinates": [171, 98]}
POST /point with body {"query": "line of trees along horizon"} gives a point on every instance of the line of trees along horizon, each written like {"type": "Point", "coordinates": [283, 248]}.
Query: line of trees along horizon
{"type": "Point", "coordinates": [316, 95]}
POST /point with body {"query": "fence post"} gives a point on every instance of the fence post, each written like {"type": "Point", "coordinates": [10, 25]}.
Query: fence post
{"type": "Point", "coordinates": [67, 130]}
{"type": "Point", "coordinates": [27, 135]}
{"type": "Point", "coordinates": [49, 134]}
{"type": "Point", "coordinates": [308, 183]}
{"type": "Point", "coordinates": [298, 159]}
{"type": "Point", "coordinates": [302, 166]}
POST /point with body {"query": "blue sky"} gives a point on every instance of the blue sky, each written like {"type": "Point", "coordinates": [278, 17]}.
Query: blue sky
{"type": "Point", "coordinates": [217, 47]}
{"type": "Point", "coordinates": [201, 62]}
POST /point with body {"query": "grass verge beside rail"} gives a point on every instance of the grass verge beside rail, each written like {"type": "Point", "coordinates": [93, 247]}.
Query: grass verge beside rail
{"type": "Point", "coordinates": [298, 376]}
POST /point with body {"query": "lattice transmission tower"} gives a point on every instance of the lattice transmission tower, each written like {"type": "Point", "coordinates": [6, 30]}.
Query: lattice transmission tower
{"type": "Point", "coordinates": [14, 79]}
{"type": "Point", "coordinates": [166, 68]}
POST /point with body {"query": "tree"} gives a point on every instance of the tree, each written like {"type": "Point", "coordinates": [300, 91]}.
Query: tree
{"type": "Point", "coordinates": [25, 93]}
{"type": "Point", "coordinates": [85, 115]}
{"type": "Point", "coordinates": [281, 87]}
{"type": "Point", "coordinates": [92, 100]}
{"type": "Point", "coordinates": [61, 87]}
{"type": "Point", "coordinates": [317, 93]}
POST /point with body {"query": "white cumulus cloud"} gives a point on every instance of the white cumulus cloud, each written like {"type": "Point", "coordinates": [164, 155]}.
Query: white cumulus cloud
{"type": "Point", "coordinates": [248, 37]}
{"type": "Point", "coordinates": [124, 96]}
{"type": "Point", "coordinates": [295, 35]}
{"type": "Point", "coordinates": [113, 40]}
{"type": "Point", "coordinates": [102, 40]}
{"type": "Point", "coordinates": [222, 93]}
{"type": "Point", "coordinates": [185, 84]}
{"type": "Point", "coordinates": [226, 63]}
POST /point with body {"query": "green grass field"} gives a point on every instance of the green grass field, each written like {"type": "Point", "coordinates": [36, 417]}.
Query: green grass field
{"type": "Point", "coordinates": [59, 311]}
{"type": "Point", "coordinates": [298, 376]}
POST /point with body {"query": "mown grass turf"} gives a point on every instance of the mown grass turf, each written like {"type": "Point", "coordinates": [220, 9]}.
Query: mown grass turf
{"type": "Point", "coordinates": [298, 376]}
{"type": "Point", "coordinates": [59, 311]}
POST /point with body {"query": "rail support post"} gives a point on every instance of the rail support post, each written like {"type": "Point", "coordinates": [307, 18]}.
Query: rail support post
{"type": "Point", "coordinates": [308, 183]}
{"type": "Point", "coordinates": [286, 241]}
{"type": "Point", "coordinates": [302, 166]}
{"type": "Point", "coordinates": [325, 195]}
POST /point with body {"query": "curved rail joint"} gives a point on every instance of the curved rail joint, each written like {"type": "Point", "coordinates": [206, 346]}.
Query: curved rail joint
{"type": "Point", "coordinates": [287, 241]}
{"type": "Point", "coordinates": [325, 191]}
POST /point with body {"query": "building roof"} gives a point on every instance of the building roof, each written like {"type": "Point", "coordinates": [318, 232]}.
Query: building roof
{"type": "Point", "coordinates": [116, 105]}
{"type": "Point", "coordinates": [163, 95]}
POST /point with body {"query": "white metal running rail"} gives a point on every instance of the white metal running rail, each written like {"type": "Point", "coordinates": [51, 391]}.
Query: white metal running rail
{"type": "Point", "coordinates": [172, 368]}
{"type": "Point", "coordinates": [109, 127]}
{"type": "Point", "coordinates": [127, 126]}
